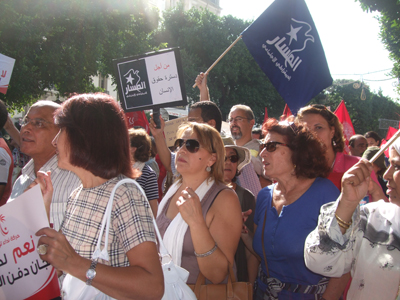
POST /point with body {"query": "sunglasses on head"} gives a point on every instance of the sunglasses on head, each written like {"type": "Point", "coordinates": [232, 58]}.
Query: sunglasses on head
{"type": "Point", "coordinates": [191, 145]}
{"type": "Point", "coordinates": [232, 158]}
{"type": "Point", "coordinates": [271, 146]}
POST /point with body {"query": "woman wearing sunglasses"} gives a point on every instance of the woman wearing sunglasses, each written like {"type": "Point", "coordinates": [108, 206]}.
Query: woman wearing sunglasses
{"type": "Point", "coordinates": [287, 211]}
{"type": "Point", "coordinates": [235, 160]}
{"type": "Point", "coordinates": [200, 216]}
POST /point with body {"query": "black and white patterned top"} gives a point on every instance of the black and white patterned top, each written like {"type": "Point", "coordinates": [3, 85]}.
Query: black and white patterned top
{"type": "Point", "coordinates": [370, 249]}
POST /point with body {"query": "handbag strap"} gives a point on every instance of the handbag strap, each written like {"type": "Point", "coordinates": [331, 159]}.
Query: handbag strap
{"type": "Point", "coordinates": [103, 254]}
{"type": "Point", "coordinates": [262, 240]}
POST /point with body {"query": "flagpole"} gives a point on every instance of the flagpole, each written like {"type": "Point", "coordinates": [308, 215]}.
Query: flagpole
{"type": "Point", "coordinates": [392, 139]}
{"type": "Point", "coordinates": [221, 56]}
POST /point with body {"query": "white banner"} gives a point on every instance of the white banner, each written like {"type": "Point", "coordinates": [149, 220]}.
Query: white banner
{"type": "Point", "coordinates": [23, 275]}
{"type": "Point", "coordinates": [6, 68]}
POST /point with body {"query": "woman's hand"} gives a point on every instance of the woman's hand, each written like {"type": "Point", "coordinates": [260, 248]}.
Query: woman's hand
{"type": "Point", "coordinates": [245, 216]}
{"type": "Point", "coordinates": [190, 208]}
{"type": "Point", "coordinates": [355, 182]}
{"type": "Point", "coordinates": [59, 252]}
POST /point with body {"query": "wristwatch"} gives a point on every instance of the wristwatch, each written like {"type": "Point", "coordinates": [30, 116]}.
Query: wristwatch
{"type": "Point", "coordinates": [91, 272]}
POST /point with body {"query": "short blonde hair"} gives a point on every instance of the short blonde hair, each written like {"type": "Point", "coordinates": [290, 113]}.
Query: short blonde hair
{"type": "Point", "coordinates": [210, 139]}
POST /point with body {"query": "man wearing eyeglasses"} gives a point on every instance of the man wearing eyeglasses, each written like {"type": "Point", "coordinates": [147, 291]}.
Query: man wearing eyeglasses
{"type": "Point", "coordinates": [37, 132]}
{"type": "Point", "coordinates": [241, 122]}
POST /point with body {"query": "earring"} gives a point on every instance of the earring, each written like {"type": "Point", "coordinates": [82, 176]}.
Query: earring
{"type": "Point", "coordinates": [208, 169]}
{"type": "Point", "coordinates": [333, 143]}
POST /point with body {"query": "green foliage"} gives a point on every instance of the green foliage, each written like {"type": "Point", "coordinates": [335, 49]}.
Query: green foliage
{"type": "Point", "coordinates": [62, 43]}
{"type": "Point", "coordinates": [390, 28]}
{"type": "Point", "coordinates": [364, 114]}
{"type": "Point", "coordinates": [236, 79]}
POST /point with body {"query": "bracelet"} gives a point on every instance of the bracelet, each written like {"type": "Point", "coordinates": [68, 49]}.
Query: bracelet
{"type": "Point", "coordinates": [343, 226]}
{"type": "Point", "coordinates": [341, 221]}
{"type": "Point", "coordinates": [207, 253]}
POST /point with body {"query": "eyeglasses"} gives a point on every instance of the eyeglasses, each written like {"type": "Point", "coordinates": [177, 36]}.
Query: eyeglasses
{"type": "Point", "coordinates": [237, 119]}
{"type": "Point", "coordinates": [232, 158]}
{"type": "Point", "coordinates": [37, 122]}
{"type": "Point", "coordinates": [191, 145]}
{"type": "Point", "coordinates": [271, 146]}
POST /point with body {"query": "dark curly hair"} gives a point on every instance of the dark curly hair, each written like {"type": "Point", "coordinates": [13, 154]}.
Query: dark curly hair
{"type": "Point", "coordinates": [308, 152]}
{"type": "Point", "coordinates": [141, 140]}
{"type": "Point", "coordinates": [338, 140]}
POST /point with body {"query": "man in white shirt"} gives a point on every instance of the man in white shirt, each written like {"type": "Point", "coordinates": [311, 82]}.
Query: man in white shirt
{"type": "Point", "coordinates": [241, 122]}
{"type": "Point", "coordinates": [37, 133]}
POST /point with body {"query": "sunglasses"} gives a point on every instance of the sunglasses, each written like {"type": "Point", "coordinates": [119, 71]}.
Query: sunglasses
{"type": "Point", "coordinates": [191, 145]}
{"type": "Point", "coordinates": [232, 158]}
{"type": "Point", "coordinates": [271, 146]}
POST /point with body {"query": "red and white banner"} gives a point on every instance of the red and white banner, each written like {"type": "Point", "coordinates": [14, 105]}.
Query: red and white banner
{"type": "Point", "coordinates": [137, 118]}
{"type": "Point", "coordinates": [6, 68]}
{"type": "Point", "coordinates": [23, 275]}
{"type": "Point", "coordinates": [344, 118]}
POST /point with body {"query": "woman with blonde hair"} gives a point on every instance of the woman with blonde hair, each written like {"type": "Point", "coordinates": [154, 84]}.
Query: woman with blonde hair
{"type": "Point", "coordinates": [200, 217]}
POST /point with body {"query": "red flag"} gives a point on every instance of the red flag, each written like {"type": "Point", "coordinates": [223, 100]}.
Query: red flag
{"type": "Point", "coordinates": [344, 118]}
{"type": "Point", "coordinates": [390, 133]}
{"type": "Point", "coordinates": [286, 112]}
{"type": "Point", "coordinates": [137, 118]}
{"type": "Point", "coordinates": [265, 115]}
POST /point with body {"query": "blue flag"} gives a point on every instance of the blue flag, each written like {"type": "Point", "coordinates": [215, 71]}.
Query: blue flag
{"type": "Point", "coordinates": [285, 44]}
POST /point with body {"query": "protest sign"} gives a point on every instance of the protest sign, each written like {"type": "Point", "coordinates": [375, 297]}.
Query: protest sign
{"type": "Point", "coordinates": [170, 129]}
{"type": "Point", "coordinates": [23, 275]}
{"type": "Point", "coordinates": [6, 68]}
{"type": "Point", "coordinates": [151, 81]}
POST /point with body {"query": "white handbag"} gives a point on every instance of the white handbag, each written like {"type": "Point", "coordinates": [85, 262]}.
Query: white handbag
{"type": "Point", "coordinates": [175, 277]}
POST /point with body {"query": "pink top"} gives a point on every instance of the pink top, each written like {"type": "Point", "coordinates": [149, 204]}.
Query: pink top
{"type": "Point", "coordinates": [343, 162]}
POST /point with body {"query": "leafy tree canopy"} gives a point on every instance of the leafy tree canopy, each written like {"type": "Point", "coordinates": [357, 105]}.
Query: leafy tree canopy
{"type": "Point", "coordinates": [390, 28]}
{"type": "Point", "coordinates": [236, 79]}
{"type": "Point", "coordinates": [62, 43]}
{"type": "Point", "coordinates": [364, 114]}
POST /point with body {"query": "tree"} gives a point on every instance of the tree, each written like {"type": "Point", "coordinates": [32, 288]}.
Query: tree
{"type": "Point", "coordinates": [62, 43]}
{"type": "Point", "coordinates": [365, 114]}
{"type": "Point", "coordinates": [390, 28]}
{"type": "Point", "coordinates": [236, 79]}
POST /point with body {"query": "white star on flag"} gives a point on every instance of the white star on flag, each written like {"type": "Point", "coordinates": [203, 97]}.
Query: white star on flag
{"type": "Point", "coordinates": [293, 33]}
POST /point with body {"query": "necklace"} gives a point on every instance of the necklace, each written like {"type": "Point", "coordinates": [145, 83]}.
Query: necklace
{"type": "Point", "coordinates": [333, 164]}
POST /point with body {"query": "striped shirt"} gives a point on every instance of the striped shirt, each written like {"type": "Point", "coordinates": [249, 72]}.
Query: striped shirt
{"type": "Point", "coordinates": [148, 182]}
{"type": "Point", "coordinates": [64, 182]}
{"type": "Point", "coordinates": [131, 220]}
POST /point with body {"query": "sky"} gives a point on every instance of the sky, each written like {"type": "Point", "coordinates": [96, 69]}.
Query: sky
{"type": "Point", "coordinates": [349, 36]}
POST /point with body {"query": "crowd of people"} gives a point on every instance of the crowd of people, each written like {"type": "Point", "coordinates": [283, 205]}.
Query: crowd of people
{"type": "Point", "coordinates": [283, 203]}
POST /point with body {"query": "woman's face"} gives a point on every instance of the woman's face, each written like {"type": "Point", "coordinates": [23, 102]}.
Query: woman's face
{"type": "Point", "coordinates": [320, 126]}
{"type": "Point", "coordinates": [372, 142]}
{"type": "Point", "coordinates": [230, 168]}
{"type": "Point", "coordinates": [61, 144]}
{"type": "Point", "coordinates": [392, 176]}
{"type": "Point", "coordinates": [278, 162]}
{"type": "Point", "coordinates": [192, 163]}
